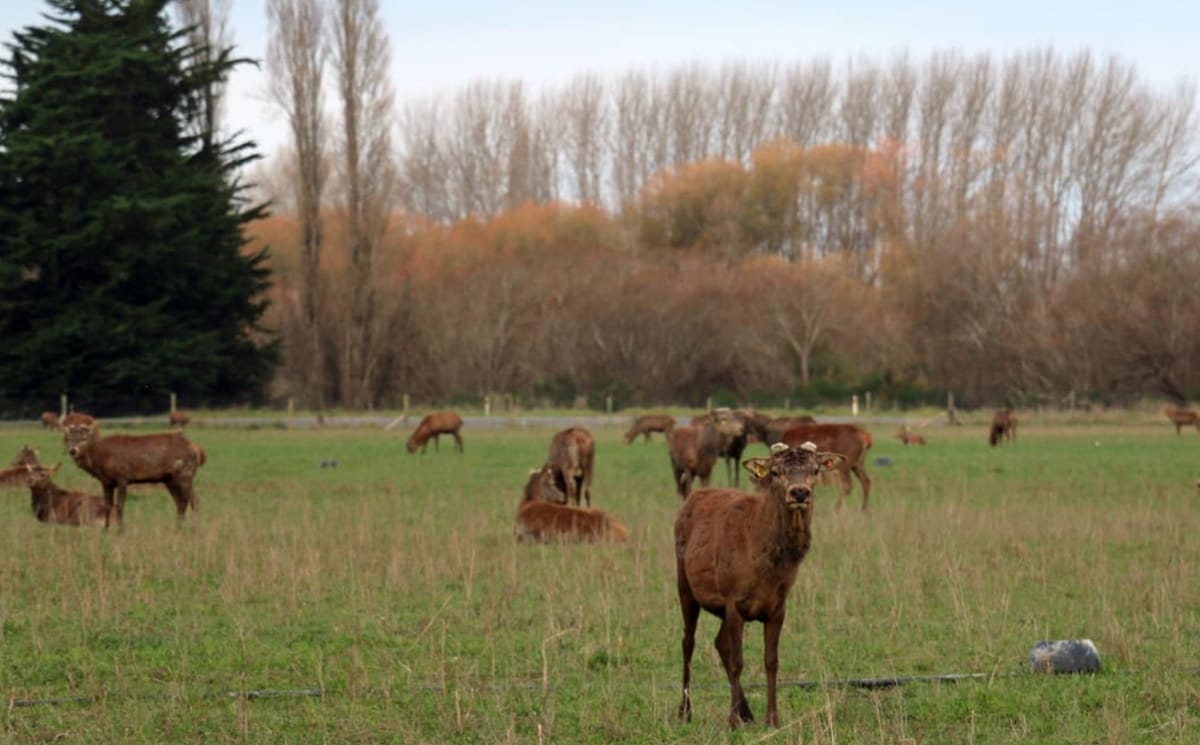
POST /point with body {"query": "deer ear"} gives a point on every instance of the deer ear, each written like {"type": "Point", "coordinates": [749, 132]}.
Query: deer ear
{"type": "Point", "coordinates": [830, 461]}
{"type": "Point", "coordinates": [758, 467]}
{"type": "Point", "coordinates": [54, 467]}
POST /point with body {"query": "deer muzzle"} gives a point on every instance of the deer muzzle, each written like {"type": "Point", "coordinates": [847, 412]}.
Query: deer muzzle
{"type": "Point", "coordinates": [798, 497]}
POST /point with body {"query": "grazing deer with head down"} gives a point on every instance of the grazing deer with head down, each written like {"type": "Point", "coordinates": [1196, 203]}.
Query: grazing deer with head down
{"type": "Point", "coordinates": [435, 425]}
{"type": "Point", "coordinates": [117, 461]}
{"type": "Point", "coordinates": [1004, 427]}
{"type": "Point", "coordinates": [648, 423]}
{"type": "Point", "coordinates": [737, 555]}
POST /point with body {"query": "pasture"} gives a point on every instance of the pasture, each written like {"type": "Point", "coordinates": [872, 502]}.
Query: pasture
{"type": "Point", "coordinates": [385, 600]}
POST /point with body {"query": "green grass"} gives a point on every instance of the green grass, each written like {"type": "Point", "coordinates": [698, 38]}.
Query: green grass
{"type": "Point", "coordinates": [392, 583]}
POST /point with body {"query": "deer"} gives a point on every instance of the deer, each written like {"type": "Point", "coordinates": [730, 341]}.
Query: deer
{"type": "Point", "coordinates": [542, 518]}
{"type": "Point", "coordinates": [76, 417]}
{"type": "Point", "coordinates": [731, 433]}
{"type": "Point", "coordinates": [849, 441]}
{"type": "Point", "coordinates": [737, 555]}
{"type": "Point", "coordinates": [50, 420]}
{"type": "Point", "coordinates": [1004, 427]}
{"type": "Point", "coordinates": [178, 419]}
{"type": "Point", "coordinates": [435, 425]}
{"type": "Point", "coordinates": [16, 475]}
{"type": "Point", "coordinates": [572, 462]}
{"type": "Point", "coordinates": [53, 504]}
{"type": "Point", "coordinates": [1182, 417]}
{"type": "Point", "coordinates": [646, 424]}
{"type": "Point", "coordinates": [908, 437]}
{"type": "Point", "coordinates": [117, 461]}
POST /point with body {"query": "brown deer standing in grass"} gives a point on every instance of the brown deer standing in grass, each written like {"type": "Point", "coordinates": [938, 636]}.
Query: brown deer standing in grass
{"type": "Point", "coordinates": [773, 432]}
{"type": "Point", "coordinates": [1004, 427]}
{"type": "Point", "coordinates": [736, 557]}
{"type": "Point", "coordinates": [542, 518]}
{"type": "Point", "coordinates": [908, 437]}
{"type": "Point", "coordinates": [572, 462]}
{"type": "Point", "coordinates": [435, 425]}
{"type": "Point", "coordinates": [648, 423]}
{"type": "Point", "coordinates": [1182, 418]}
{"type": "Point", "coordinates": [178, 419]}
{"type": "Point", "coordinates": [53, 504]}
{"type": "Point", "coordinates": [730, 428]}
{"type": "Point", "coordinates": [17, 476]}
{"type": "Point", "coordinates": [120, 460]}
{"type": "Point", "coordinates": [50, 420]}
{"type": "Point", "coordinates": [694, 448]}
{"type": "Point", "coordinates": [849, 441]}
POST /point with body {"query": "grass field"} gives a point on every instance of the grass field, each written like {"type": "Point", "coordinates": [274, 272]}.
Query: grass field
{"type": "Point", "coordinates": [385, 600]}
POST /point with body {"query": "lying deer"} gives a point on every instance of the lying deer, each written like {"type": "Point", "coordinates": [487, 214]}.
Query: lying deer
{"type": "Point", "coordinates": [542, 518]}
{"type": "Point", "coordinates": [737, 557]}
{"type": "Point", "coordinates": [53, 504]}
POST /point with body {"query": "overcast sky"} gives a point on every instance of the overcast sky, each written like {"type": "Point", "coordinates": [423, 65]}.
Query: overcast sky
{"type": "Point", "coordinates": [438, 47]}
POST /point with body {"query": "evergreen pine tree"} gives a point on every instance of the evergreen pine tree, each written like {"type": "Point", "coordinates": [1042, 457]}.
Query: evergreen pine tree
{"type": "Point", "coordinates": [122, 274]}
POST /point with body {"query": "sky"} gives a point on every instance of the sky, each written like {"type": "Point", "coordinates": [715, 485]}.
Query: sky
{"type": "Point", "coordinates": [440, 47]}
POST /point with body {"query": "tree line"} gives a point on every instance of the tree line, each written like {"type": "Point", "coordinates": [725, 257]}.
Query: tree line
{"type": "Point", "coordinates": [1019, 229]}
{"type": "Point", "coordinates": [1015, 229]}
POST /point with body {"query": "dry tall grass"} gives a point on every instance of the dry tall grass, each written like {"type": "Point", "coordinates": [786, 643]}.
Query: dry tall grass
{"type": "Point", "coordinates": [393, 584]}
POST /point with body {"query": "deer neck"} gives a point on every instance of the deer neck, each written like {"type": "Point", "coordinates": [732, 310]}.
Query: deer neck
{"type": "Point", "coordinates": [784, 533]}
{"type": "Point", "coordinates": [40, 501]}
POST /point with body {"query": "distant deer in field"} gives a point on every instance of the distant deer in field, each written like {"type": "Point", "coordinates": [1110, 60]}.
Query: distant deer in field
{"type": "Point", "coordinates": [53, 504]}
{"type": "Point", "coordinates": [572, 461]}
{"type": "Point", "coordinates": [737, 555]}
{"type": "Point", "coordinates": [1004, 427]}
{"type": "Point", "coordinates": [647, 423]}
{"type": "Point", "coordinates": [694, 448]}
{"type": "Point", "coordinates": [542, 518]}
{"type": "Point", "coordinates": [117, 461]}
{"type": "Point", "coordinates": [178, 419]}
{"type": "Point", "coordinates": [50, 420]}
{"type": "Point", "coordinates": [908, 437]}
{"type": "Point", "coordinates": [1182, 418]}
{"type": "Point", "coordinates": [433, 426]}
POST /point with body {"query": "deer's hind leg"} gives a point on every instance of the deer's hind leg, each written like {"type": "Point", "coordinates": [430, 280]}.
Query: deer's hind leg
{"type": "Point", "coordinates": [691, 614]}
{"type": "Point", "coordinates": [181, 493]}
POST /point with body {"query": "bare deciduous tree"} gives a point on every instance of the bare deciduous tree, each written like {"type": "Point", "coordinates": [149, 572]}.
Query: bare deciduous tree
{"type": "Point", "coordinates": [366, 181]}
{"type": "Point", "coordinates": [207, 22]}
{"type": "Point", "coordinates": [295, 69]}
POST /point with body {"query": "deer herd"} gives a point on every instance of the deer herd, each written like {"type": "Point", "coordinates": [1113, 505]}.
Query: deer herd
{"type": "Point", "coordinates": [737, 552]}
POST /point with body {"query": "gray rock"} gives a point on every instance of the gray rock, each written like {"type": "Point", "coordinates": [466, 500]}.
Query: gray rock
{"type": "Point", "coordinates": [1065, 656]}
